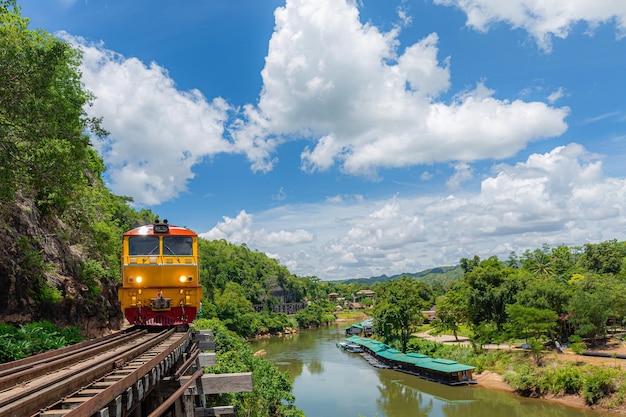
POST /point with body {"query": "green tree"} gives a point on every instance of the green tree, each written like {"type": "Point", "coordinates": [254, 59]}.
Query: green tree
{"type": "Point", "coordinates": [546, 293]}
{"type": "Point", "coordinates": [42, 116]}
{"type": "Point", "coordinates": [533, 324]}
{"type": "Point", "coordinates": [606, 257]}
{"type": "Point", "coordinates": [450, 310]}
{"type": "Point", "coordinates": [235, 310]}
{"type": "Point", "coordinates": [271, 395]}
{"type": "Point", "coordinates": [538, 261]}
{"type": "Point", "coordinates": [489, 288]}
{"type": "Point", "coordinates": [398, 308]}
{"type": "Point", "coordinates": [590, 308]}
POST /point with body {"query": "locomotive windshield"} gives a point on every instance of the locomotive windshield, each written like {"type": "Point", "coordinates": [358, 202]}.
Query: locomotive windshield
{"type": "Point", "coordinates": [177, 245]}
{"type": "Point", "coordinates": [143, 245]}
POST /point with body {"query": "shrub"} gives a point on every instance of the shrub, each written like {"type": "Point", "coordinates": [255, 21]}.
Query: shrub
{"type": "Point", "coordinates": [565, 379]}
{"type": "Point", "coordinates": [271, 394]}
{"type": "Point", "coordinates": [527, 381]}
{"type": "Point", "coordinates": [48, 294]}
{"type": "Point", "coordinates": [33, 338]}
{"type": "Point", "coordinates": [598, 383]}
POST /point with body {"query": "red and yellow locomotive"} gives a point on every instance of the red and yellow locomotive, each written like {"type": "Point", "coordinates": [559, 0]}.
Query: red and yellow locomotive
{"type": "Point", "coordinates": [160, 275]}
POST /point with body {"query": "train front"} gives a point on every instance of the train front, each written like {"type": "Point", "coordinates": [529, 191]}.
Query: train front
{"type": "Point", "coordinates": [160, 275]}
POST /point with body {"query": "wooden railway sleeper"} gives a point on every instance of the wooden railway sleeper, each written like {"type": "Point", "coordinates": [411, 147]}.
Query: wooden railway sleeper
{"type": "Point", "coordinates": [129, 391]}
{"type": "Point", "coordinates": [11, 368]}
{"type": "Point", "coordinates": [33, 397]}
{"type": "Point", "coordinates": [42, 366]}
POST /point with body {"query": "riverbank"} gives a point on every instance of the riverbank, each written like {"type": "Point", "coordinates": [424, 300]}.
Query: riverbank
{"type": "Point", "coordinates": [492, 380]}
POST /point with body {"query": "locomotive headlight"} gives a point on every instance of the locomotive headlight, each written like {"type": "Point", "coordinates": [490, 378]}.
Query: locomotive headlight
{"type": "Point", "coordinates": [138, 279]}
{"type": "Point", "coordinates": [183, 278]}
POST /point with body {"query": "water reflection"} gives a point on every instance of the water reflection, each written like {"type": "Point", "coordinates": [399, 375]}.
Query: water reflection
{"type": "Point", "coordinates": [330, 382]}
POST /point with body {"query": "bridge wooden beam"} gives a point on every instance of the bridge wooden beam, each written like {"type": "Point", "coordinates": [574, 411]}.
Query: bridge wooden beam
{"type": "Point", "coordinates": [206, 359]}
{"type": "Point", "coordinates": [224, 383]}
{"type": "Point", "coordinates": [204, 339]}
{"type": "Point", "coordinates": [226, 410]}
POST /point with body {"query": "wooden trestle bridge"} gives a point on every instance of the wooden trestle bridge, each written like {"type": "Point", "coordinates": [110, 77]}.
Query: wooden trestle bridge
{"type": "Point", "coordinates": [135, 373]}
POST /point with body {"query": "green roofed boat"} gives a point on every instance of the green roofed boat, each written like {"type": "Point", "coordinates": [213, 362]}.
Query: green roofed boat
{"type": "Point", "coordinates": [433, 369]}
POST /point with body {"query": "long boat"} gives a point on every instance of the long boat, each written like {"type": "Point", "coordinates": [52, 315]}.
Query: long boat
{"type": "Point", "coordinates": [433, 369]}
{"type": "Point", "coordinates": [350, 347]}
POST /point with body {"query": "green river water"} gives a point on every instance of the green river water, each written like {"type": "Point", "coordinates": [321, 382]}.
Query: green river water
{"type": "Point", "coordinates": [329, 382]}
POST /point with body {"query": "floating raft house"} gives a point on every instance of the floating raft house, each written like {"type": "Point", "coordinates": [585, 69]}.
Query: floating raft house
{"type": "Point", "coordinates": [440, 370]}
{"type": "Point", "coordinates": [365, 328]}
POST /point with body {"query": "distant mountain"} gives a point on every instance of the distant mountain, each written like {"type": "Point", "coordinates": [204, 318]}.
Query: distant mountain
{"type": "Point", "coordinates": [442, 274]}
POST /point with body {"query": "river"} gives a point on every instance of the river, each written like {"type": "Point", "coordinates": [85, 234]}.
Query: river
{"type": "Point", "coordinates": [329, 382]}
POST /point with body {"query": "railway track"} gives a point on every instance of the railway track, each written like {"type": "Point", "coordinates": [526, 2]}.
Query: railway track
{"type": "Point", "coordinates": [113, 373]}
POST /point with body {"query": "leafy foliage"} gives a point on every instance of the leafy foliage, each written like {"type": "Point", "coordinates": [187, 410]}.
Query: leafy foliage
{"type": "Point", "coordinates": [33, 338]}
{"type": "Point", "coordinates": [42, 116]}
{"type": "Point", "coordinates": [314, 314]}
{"type": "Point", "coordinates": [58, 218]}
{"type": "Point", "coordinates": [235, 310]}
{"type": "Point", "coordinates": [599, 383]}
{"type": "Point", "coordinates": [450, 312]}
{"type": "Point", "coordinates": [262, 279]}
{"type": "Point", "coordinates": [271, 395]}
{"type": "Point", "coordinates": [398, 308]}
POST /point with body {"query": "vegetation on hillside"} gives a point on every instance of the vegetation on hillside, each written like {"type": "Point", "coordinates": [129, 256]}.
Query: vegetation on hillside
{"type": "Point", "coordinates": [33, 338]}
{"type": "Point", "coordinates": [440, 277]}
{"type": "Point", "coordinates": [59, 224]}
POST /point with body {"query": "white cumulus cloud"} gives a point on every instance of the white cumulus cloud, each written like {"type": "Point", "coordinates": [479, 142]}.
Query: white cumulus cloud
{"type": "Point", "coordinates": [543, 20]}
{"type": "Point", "coordinates": [361, 102]}
{"type": "Point", "coordinates": [558, 197]}
{"type": "Point", "coordinates": [157, 132]}
{"type": "Point", "coordinates": [366, 104]}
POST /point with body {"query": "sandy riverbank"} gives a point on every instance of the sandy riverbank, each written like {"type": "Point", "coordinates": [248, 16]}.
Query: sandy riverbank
{"type": "Point", "coordinates": [492, 380]}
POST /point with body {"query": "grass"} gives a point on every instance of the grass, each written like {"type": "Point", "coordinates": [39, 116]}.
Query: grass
{"type": "Point", "coordinates": [352, 315]}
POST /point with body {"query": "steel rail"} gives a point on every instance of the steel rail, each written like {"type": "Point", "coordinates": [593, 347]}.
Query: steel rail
{"type": "Point", "coordinates": [9, 368]}
{"type": "Point", "coordinates": [193, 355]}
{"type": "Point", "coordinates": [38, 367]}
{"type": "Point", "coordinates": [34, 397]}
{"type": "Point", "coordinates": [108, 395]}
{"type": "Point", "coordinates": [162, 409]}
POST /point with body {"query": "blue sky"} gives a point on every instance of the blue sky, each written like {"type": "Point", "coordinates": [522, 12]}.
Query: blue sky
{"type": "Point", "coordinates": [359, 138]}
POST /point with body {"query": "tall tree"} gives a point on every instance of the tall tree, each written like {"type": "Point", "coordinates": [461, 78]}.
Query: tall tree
{"type": "Point", "coordinates": [490, 286]}
{"type": "Point", "coordinates": [43, 148]}
{"type": "Point", "coordinates": [398, 308]}
{"type": "Point", "coordinates": [590, 307]}
{"type": "Point", "coordinates": [605, 257]}
{"type": "Point", "coordinates": [533, 324]}
{"type": "Point", "coordinates": [235, 310]}
{"type": "Point", "coordinates": [450, 310]}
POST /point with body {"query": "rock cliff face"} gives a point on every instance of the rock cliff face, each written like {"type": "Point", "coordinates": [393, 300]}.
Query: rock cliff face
{"type": "Point", "coordinates": [39, 271]}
